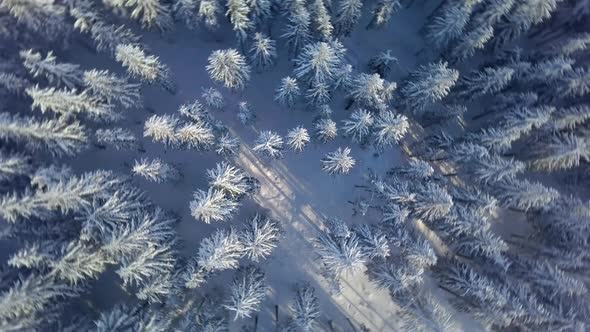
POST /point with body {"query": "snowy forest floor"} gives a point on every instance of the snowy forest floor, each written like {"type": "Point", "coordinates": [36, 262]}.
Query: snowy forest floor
{"type": "Point", "coordinates": [294, 190]}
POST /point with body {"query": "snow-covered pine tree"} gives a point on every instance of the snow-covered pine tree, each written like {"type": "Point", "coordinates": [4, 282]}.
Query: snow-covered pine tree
{"type": "Point", "coordinates": [373, 241]}
{"type": "Point", "coordinates": [269, 144]}
{"type": "Point", "coordinates": [425, 313]}
{"type": "Point", "coordinates": [297, 138]}
{"type": "Point", "coordinates": [337, 227]}
{"type": "Point", "coordinates": [492, 168]}
{"type": "Point", "coordinates": [186, 11]}
{"type": "Point", "coordinates": [343, 79]}
{"type": "Point", "coordinates": [382, 13]}
{"type": "Point", "coordinates": [227, 145]}
{"type": "Point", "coordinates": [229, 67]}
{"type": "Point", "coordinates": [107, 37]}
{"type": "Point", "coordinates": [13, 165]}
{"type": "Point", "coordinates": [372, 92]}
{"type": "Point", "coordinates": [358, 127]}
{"type": "Point", "coordinates": [567, 118]}
{"type": "Point", "coordinates": [109, 87]}
{"type": "Point", "coordinates": [318, 94]}
{"type": "Point", "coordinates": [263, 52]}
{"type": "Point", "coordinates": [212, 205]}
{"type": "Point", "coordinates": [382, 62]}
{"type": "Point", "coordinates": [575, 83]}
{"type": "Point", "coordinates": [492, 12]}
{"type": "Point", "coordinates": [220, 251]}
{"type": "Point", "coordinates": [321, 20]}
{"type": "Point", "coordinates": [58, 74]}
{"type": "Point", "coordinates": [305, 308]}
{"type": "Point", "coordinates": [431, 202]}
{"type": "Point", "coordinates": [68, 102]}
{"type": "Point", "coordinates": [449, 23]}
{"type": "Point", "coordinates": [318, 63]}
{"type": "Point", "coordinates": [548, 71]}
{"type": "Point", "coordinates": [75, 262]}
{"type": "Point", "coordinates": [195, 135]}
{"type": "Point", "coordinates": [260, 11]}
{"type": "Point", "coordinates": [287, 92]}
{"type": "Point", "coordinates": [389, 128]}
{"type": "Point", "coordinates": [194, 111]}
{"type": "Point", "coordinates": [325, 130]}
{"type": "Point", "coordinates": [340, 256]}
{"type": "Point", "coordinates": [523, 194]}
{"type": "Point", "coordinates": [347, 16]}
{"type": "Point", "coordinates": [231, 180]}
{"type": "Point", "coordinates": [237, 12]}
{"type": "Point", "coordinates": [489, 80]}
{"type": "Point", "coordinates": [427, 85]}
{"type": "Point", "coordinates": [245, 115]}
{"type": "Point", "coordinates": [162, 129]}
{"type": "Point", "coordinates": [155, 170]}
{"type": "Point", "coordinates": [338, 162]}
{"type": "Point", "coordinates": [396, 274]}
{"type": "Point", "coordinates": [213, 98]}
{"type": "Point", "coordinates": [57, 136]}
{"type": "Point", "coordinates": [118, 138]}
{"type": "Point", "coordinates": [45, 18]}
{"type": "Point", "coordinates": [13, 83]}
{"type": "Point", "coordinates": [569, 47]}
{"type": "Point", "coordinates": [416, 169]}
{"type": "Point", "coordinates": [559, 152]}
{"type": "Point", "coordinates": [86, 15]}
{"type": "Point", "coordinates": [260, 237]}
{"type": "Point", "coordinates": [473, 41]}
{"type": "Point", "coordinates": [298, 29]}
{"type": "Point", "coordinates": [247, 291]}
{"type": "Point", "coordinates": [147, 68]}
{"type": "Point", "coordinates": [150, 13]}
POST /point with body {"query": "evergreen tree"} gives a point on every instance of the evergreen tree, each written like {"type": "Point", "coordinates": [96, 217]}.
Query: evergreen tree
{"type": "Point", "coordinates": [340, 255]}
{"type": "Point", "coordinates": [111, 88]}
{"type": "Point", "coordinates": [260, 11]}
{"type": "Point", "coordinates": [194, 111]}
{"type": "Point", "coordinates": [338, 228]}
{"type": "Point", "coordinates": [358, 127]}
{"type": "Point", "coordinates": [297, 138]}
{"type": "Point", "coordinates": [237, 12]}
{"type": "Point", "coordinates": [373, 241]}
{"type": "Point", "coordinates": [229, 67]}
{"type": "Point", "coordinates": [298, 29]}
{"type": "Point", "coordinates": [305, 308]}
{"type": "Point", "coordinates": [229, 179]}
{"type": "Point", "coordinates": [156, 170]}
{"type": "Point", "coordinates": [567, 119]}
{"type": "Point", "coordinates": [263, 52]}
{"type": "Point", "coordinates": [213, 98]}
{"type": "Point", "coordinates": [46, 18]}
{"type": "Point", "coordinates": [396, 274]}
{"type": "Point", "coordinates": [270, 144]}
{"type": "Point", "coordinates": [247, 291]}
{"type": "Point", "coordinates": [56, 136]}
{"type": "Point", "coordinates": [107, 37]}
{"type": "Point", "coordinates": [347, 16]}
{"type": "Point", "coordinates": [431, 202]}
{"type": "Point", "coordinates": [147, 68]}
{"type": "Point", "coordinates": [415, 170]}
{"type": "Point", "coordinates": [208, 14]}
{"type": "Point", "coordinates": [150, 13]}
{"type": "Point", "coordinates": [382, 62]}
{"type": "Point", "coordinates": [260, 237]}
{"type": "Point", "coordinates": [492, 12]}
{"type": "Point", "coordinates": [321, 20]}
{"type": "Point", "coordinates": [13, 84]}
{"type": "Point", "coordinates": [493, 168]}
{"type": "Point", "coordinates": [549, 71]}
{"type": "Point", "coordinates": [68, 102]}
{"type": "Point", "coordinates": [372, 92]}
{"type": "Point", "coordinates": [13, 165]}
{"type": "Point", "coordinates": [427, 85]}
{"type": "Point", "coordinates": [449, 23]}
{"type": "Point", "coordinates": [227, 145]}
{"type": "Point", "coordinates": [162, 129]}
{"type": "Point", "coordinates": [575, 83]}
{"type": "Point", "coordinates": [480, 83]}
{"type": "Point", "coordinates": [317, 63]}
{"type": "Point", "coordinates": [76, 262]}
{"type": "Point", "coordinates": [245, 114]}
{"type": "Point", "coordinates": [560, 152]}
{"type": "Point", "coordinates": [212, 205]}
{"type": "Point", "coordinates": [58, 74]}
{"type": "Point", "coordinates": [382, 13]}
{"type": "Point", "coordinates": [424, 313]}
{"type": "Point", "coordinates": [318, 94]}
{"type": "Point", "coordinates": [473, 41]}
{"type": "Point", "coordinates": [338, 162]}
{"type": "Point", "coordinates": [389, 128]}
{"type": "Point", "coordinates": [195, 135]}
{"type": "Point", "coordinates": [570, 46]}
{"type": "Point", "coordinates": [523, 195]}
{"type": "Point", "coordinates": [220, 251]}
{"type": "Point", "coordinates": [325, 130]}
{"type": "Point", "coordinates": [287, 92]}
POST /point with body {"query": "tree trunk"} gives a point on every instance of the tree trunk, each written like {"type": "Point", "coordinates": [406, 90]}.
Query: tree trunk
{"type": "Point", "coordinates": [277, 318]}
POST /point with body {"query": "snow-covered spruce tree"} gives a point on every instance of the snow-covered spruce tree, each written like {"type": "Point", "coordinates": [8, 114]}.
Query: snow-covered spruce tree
{"type": "Point", "coordinates": [13, 165]}
{"type": "Point", "coordinates": [318, 94]}
{"type": "Point", "coordinates": [237, 12]}
{"type": "Point", "coordinates": [150, 13]}
{"type": "Point", "coordinates": [509, 101]}
{"type": "Point", "coordinates": [247, 291]}
{"type": "Point", "coordinates": [347, 16]}
{"type": "Point", "coordinates": [212, 205]}
{"type": "Point", "coordinates": [298, 29]}
{"type": "Point", "coordinates": [107, 37]}
{"type": "Point", "coordinates": [325, 130]}
{"type": "Point", "coordinates": [524, 119]}
{"type": "Point", "coordinates": [338, 162]}
{"type": "Point", "coordinates": [305, 308]}
{"type": "Point", "coordinates": [321, 20]}
{"type": "Point", "coordinates": [195, 135]}
{"type": "Point", "coordinates": [473, 198]}
{"type": "Point", "coordinates": [13, 83]}
{"type": "Point", "coordinates": [343, 79]}
{"type": "Point", "coordinates": [567, 118]}
{"type": "Point", "coordinates": [220, 251]}
{"type": "Point", "coordinates": [269, 144]}
{"type": "Point", "coordinates": [473, 41]}
{"type": "Point", "coordinates": [448, 23]}
{"type": "Point", "coordinates": [337, 227]}
{"type": "Point", "coordinates": [548, 71]}
{"type": "Point", "coordinates": [58, 137]}
{"type": "Point", "coordinates": [85, 14]}
{"type": "Point", "coordinates": [431, 202]}
{"type": "Point", "coordinates": [245, 115]}
{"type": "Point", "coordinates": [155, 170]}
{"type": "Point", "coordinates": [317, 63]}
{"type": "Point", "coordinates": [297, 138]}
{"type": "Point", "coordinates": [209, 11]}
{"type": "Point", "coordinates": [263, 52]}
{"type": "Point", "coordinates": [381, 63]}
{"type": "Point", "coordinates": [68, 102]}
{"type": "Point", "coordinates": [45, 18]}
{"type": "Point", "coordinates": [371, 92]}
{"type": "Point", "coordinates": [75, 262]}
{"type": "Point", "coordinates": [109, 87]}
{"type": "Point", "coordinates": [425, 313]}
{"type": "Point", "coordinates": [147, 68]}
{"type": "Point", "coordinates": [492, 168]}
{"type": "Point", "coordinates": [575, 83]}
{"type": "Point", "coordinates": [162, 129]}
{"type": "Point", "coordinates": [260, 12]}
{"type": "Point", "coordinates": [416, 169]}
{"type": "Point", "coordinates": [389, 128]}
{"type": "Point", "coordinates": [194, 111]}
{"type": "Point", "coordinates": [358, 127]}
{"type": "Point", "coordinates": [231, 180]}
{"type": "Point", "coordinates": [340, 256]}
{"type": "Point", "coordinates": [382, 13]}
{"type": "Point", "coordinates": [213, 98]}
{"type": "Point", "coordinates": [395, 274]}
{"type": "Point", "coordinates": [373, 241]}
{"type": "Point", "coordinates": [559, 152]}
{"type": "Point", "coordinates": [229, 67]}
{"type": "Point", "coordinates": [523, 194]}
{"type": "Point", "coordinates": [227, 145]}
{"type": "Point", "coordinates": [287, 92]}
{"type": "Point", "coordinates": [58, 74]}
{"type": "Point", "coordinates": [260, 237]}
{"type": "Point", "coordinates": [186, 12]}
{"type": "Point", "coordinates": [492, 12]}
{"type": "Point", "coordinates": [569, 47]}
{"type": "Point", "coordinates": [427, 85]}
{"type": "Point", "coordinates": [480, 83]}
